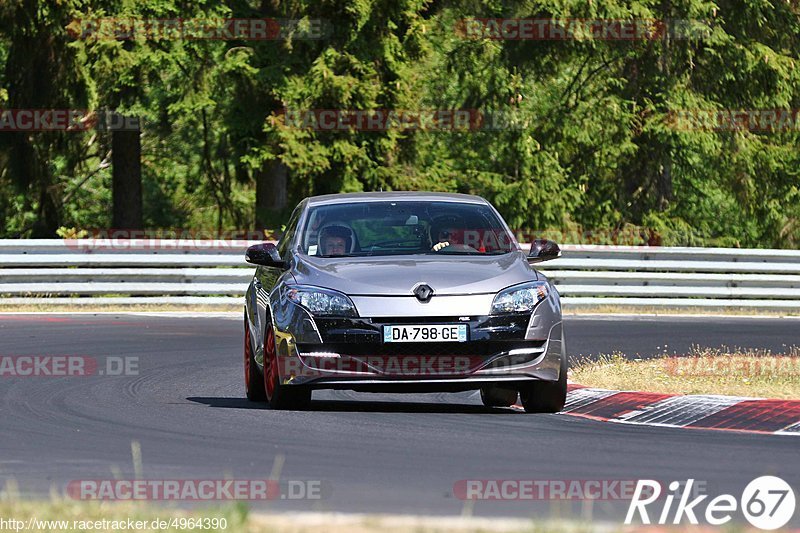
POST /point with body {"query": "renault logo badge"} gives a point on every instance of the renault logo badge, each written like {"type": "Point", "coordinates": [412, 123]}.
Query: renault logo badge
{"type": "Point", "coordinates": [423, 292]}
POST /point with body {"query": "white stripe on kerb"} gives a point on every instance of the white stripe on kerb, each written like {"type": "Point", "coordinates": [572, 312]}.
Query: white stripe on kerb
{"type": "Point", "coordinates": [682, 411]}
{"type": "Point", "coordinates": [794, 429]}
{"type": "Point", "coordinates": [581, 397]}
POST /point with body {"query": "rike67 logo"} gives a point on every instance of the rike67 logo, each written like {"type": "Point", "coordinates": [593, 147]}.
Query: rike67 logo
{"type": "Point", "coordinates": [767, 502]}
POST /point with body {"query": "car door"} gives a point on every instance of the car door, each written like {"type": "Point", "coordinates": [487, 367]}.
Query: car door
{"type": "Point", "coordinates": [266, 279]}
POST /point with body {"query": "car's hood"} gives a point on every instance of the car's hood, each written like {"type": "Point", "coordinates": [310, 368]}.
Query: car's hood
{"type": "Point", "coordinates": [397, 276]}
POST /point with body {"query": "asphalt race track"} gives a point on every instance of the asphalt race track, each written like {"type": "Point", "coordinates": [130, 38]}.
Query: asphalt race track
{"type": "Point", "coordinates": [371, 453]}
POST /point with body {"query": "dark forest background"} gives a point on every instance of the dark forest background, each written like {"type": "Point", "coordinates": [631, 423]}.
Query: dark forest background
{"type": "Point", "coordinates": [593, 149]}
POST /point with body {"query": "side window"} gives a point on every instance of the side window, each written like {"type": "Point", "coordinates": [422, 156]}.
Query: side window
{"type": "Point", "coordinates": [291, 227]}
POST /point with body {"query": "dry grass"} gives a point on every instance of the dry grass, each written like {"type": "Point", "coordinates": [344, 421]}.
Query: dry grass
{"type": "Point", "coordinates": [347, 523]}
{"type": "Point", "coordinates": [751, 373]}
{"type": "Point", "coordinates": [33, 515]}
{"type": "Point", "coordinates": [239, 520]}
{"type": "Point", "coordinates": [89, 516]}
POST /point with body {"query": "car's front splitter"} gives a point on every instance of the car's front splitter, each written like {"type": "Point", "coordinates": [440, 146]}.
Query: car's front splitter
{"type": "Point", "coordinates": [439, 366]}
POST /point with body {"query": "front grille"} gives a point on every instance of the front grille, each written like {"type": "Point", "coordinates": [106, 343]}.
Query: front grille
{"type": "Point", "coordinates": [417, 320]}
{"type": "Point", "coordinates": [489, 329]}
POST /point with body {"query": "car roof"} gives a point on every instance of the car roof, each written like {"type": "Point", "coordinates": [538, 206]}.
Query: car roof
{"type": "Point", "coordinates": [344, 198]}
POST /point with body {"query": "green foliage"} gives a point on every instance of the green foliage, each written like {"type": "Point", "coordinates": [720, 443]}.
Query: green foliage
{"type": "Point", "coordinates": [585, 141]}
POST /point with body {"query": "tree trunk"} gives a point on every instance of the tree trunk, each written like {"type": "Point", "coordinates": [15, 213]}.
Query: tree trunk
{"type": "Point", "coordinates": [664, 179]}
{"type": "Point", "coordinates": [126, 152]}
{"type": "Point", "coordinates": [271, 197]}
{"type": "Point", "coordinates": [49, 216]}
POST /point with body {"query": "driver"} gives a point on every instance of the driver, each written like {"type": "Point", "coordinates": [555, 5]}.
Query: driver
{"type": "Point", "coordinates": [446, 234]}
{"type": "Point", "coordinates": [334, 241]}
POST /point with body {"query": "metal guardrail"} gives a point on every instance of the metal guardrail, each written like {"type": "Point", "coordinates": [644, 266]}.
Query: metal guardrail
{"type": "Point", "coordinates": [215, 273]}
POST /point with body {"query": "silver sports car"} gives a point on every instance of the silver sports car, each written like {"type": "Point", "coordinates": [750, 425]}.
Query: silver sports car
{"type": "Point", "coordinates": [402, 292]}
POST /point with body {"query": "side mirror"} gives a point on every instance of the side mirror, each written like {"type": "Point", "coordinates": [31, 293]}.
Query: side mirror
{"type": "Point", "coordinates": [265, 254]}
{"type": "Point", "coordinates": [543, 250]}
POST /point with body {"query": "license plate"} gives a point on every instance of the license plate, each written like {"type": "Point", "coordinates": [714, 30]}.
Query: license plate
{"type": "Point", "coordinates": [423, 333]}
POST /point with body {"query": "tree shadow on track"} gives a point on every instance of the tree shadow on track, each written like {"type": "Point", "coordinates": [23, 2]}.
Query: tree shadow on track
{"type": "Point", "coordinates": [361, 406]}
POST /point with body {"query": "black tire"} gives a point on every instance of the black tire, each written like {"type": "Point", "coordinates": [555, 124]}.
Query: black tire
{"type": "Point", "coordinates": [546, 396]}
{"type": "Point", "coordinates": [291, 398]}
{"type": "Point", "coordinates": [280, 397]}
{"type": "Point", "coordinates": [494, 396]}
{"type": "Point", "coordinates": [253, 380]}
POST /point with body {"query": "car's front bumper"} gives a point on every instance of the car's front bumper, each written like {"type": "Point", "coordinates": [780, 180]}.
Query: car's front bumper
{"type": "Point", "coordinates": [350, 353]}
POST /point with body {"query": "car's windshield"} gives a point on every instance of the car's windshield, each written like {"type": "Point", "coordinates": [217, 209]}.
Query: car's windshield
{"type": "Point", "coordinates": [403, 228]}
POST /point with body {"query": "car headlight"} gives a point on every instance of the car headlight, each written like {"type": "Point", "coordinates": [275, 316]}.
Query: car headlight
{"type": "Point", "coordinates": [520, 298]}
{"type": "Point", "coordinates": [321, 302]}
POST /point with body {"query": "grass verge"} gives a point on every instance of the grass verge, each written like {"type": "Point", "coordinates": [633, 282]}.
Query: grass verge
{"type": "Point", "coordinates": [61, 515]}
{"type": "Point", "coordinates": [68, 515]}
{"type": "Point", "coordinates": [94, 516]}
{"type": "Point", "coordinates": [752, 373]}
